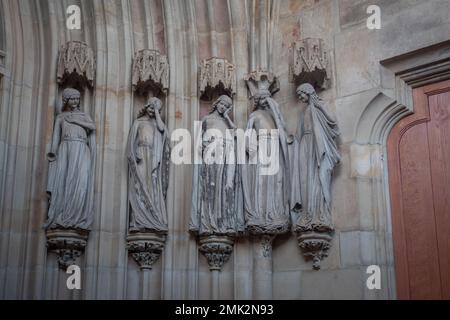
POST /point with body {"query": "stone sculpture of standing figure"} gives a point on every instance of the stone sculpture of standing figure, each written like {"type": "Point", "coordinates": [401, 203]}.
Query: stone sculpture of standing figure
{"type": "Point", "coordinates": [266, 197]}
{"type": "Point", "coordinates": [148, 155]}
{"type": "Point", "coordinates": [314, 156]}
{"type": "Point", "coordinates": [217, 198]}
{"type": "Point", "coordinates": [72, 167]}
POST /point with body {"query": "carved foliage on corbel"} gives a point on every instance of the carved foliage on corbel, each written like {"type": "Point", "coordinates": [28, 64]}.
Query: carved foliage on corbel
{"type": "Point", "coordinates": [68, 245]}
{"type": "Point", "coordinates": [150, 72]}
{"type": "Point", "coordinates": [216, 77]}
{"type": "Point", "coordinates": [315, 245]}
{"type": "Point", "coordinates": [76, 65]}
{"type": "Point", "coordinates": [145, 248]}
{"type": "Point", "coordinates": [217, 250]}
{"type": "Point", "coordinates": [309, 62]}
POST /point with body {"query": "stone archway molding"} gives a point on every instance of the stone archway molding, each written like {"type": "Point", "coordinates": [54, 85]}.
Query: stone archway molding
{"type": "Point", "coordinates": [399, 76]}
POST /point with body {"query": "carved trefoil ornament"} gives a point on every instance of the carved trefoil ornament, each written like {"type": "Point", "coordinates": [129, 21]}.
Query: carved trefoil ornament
{"type": "Point", "coordinates": [217, 76]}
{"type": "Point", "coordinates": [261, 80]}
{"type": "Point", "coordinates": [145, 248]}
{"type": "Point", "coordinates": [150, 72]}
{"type": "Point", "coordinates": [309, 62]}
{"type": "Point", "coordinates": [76, 65]}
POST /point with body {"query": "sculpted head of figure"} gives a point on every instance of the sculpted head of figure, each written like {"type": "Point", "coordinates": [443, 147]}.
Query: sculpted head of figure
{"type": "Point", "coordinates": [222, 104]}
{"type": "Point", "coordinates": [153, 104]}
{"type": "Point", "coordinates": [305, 92]}
{"type": "Point", "coordinates": [260, 98]}
{"type": "Point", "coordinates": [71, 99]}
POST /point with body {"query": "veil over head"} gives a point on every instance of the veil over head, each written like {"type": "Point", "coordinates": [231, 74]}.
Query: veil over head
{"type": "Point", "coordinates": [69, 93]}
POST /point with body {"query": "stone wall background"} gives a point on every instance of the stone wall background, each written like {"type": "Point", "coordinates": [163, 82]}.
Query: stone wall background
{"type": "Point", "coordinates": [188, 31]}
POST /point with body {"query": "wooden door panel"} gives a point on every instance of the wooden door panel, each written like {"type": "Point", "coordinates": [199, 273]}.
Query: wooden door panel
{"type": "Point", "coordinates": [439, 146]}
{"type": "Point", "coordinates": [419, 180]}
{"type": "Point", "coordinates": [417, 202]}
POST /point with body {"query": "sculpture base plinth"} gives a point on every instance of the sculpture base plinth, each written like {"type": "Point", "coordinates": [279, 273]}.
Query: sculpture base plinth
{"type": "Point", "coordinates": [314, 245]}
{"type": "Point", "coordinates": [216, 249]}
{"type": "Point", "coordinates": [68, 244]}
{"type": "Point", "coordinates": [145, 248]}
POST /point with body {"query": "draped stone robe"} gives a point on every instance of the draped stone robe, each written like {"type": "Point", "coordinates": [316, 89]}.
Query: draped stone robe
{"type": "Point", "coordinates": [217, 207]}
{"type": "Point", "coordinates": [313, 159]}
{"type": "Point", "coordinates": [71, 172]}
{"type": "Point", "coordinates": [148, 155]}
{"type": "Point", "coordinates": [266, 197]}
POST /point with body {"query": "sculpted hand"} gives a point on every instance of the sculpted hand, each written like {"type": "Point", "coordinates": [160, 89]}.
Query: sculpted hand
{"type": "Point", "coordinates": [290, 139]}
{"type": "Point", "coordinates": [138, 155]}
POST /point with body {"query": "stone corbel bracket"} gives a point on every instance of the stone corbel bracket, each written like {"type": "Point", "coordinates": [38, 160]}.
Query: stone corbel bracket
{"type": "Point", "coordinates": [315, 245]}
{"type": "Point", "coordinates": [309, 62]}
{"type": "Point", "coordinates": [76, 65]}
{"type": "Point", "coordinates": [150, 72]}
{"type": "Point", "coordinates": [68, 245]}
{"type": "Point", "coordinates": [145, 248]}
{"type": "Point", "coordinates": [217, 250]}
{"type": "Point", "coordinates": [217, 76]}
{"type": "Point", "coordinates": [261, 80]}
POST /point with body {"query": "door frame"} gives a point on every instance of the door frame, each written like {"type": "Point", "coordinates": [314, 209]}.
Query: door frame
{"type": "Point", "coordinates": [384, 107]}
{"type": "Point", "coordinates": [421, 115]}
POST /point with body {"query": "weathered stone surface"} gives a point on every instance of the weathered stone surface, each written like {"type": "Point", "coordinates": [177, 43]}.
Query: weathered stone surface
{"type": "Point", "coordinates": [76, 65]}
{"type": "Point", "coordinates": [145, 248]}
{"type": "Point", "coordinates": [148, 153]}
{"type": "Point", "coordinates": [217, 198]}
{"type": "Point", "coordinates": [310, 63]}
{"type": "Point", "coordinates": [217, 250]}
{"type": "Point", "coordinates": [216, 77]}
{"type": "Point", "coordinates": [333, 284]}
{"type": "Point", "coordinates": [71, 172]}
{"type": "Point", "coordinates": [150, 72]}
{"type": "Point", "coordinates": [252, 36]}
{"type": "Point", "coordinates": [310, 184]}
{"type": "Point", "coordinates": [67, 244]}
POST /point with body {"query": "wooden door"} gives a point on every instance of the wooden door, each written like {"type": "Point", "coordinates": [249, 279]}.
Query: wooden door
{"type": "Point", "coordinates": [419, 181]}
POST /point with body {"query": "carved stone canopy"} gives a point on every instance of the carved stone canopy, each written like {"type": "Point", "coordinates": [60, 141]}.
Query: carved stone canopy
{"type": "Point", "coordinates": [216, 77]}
{"type": "Point", "coordinates": [217, 250]}
{"type": "Point", "coordinates": [309, 62]}
{"type": "Point", "coordinates": [261, 79]}
{"type": "Point", "coordinates": [76, 65]}
{"type": "Point", "coordinates": [145, 248]}
{"type": "Point", "coordinates": [150, 72]}
{"type": "Point", "coordinates": [68, 245]}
